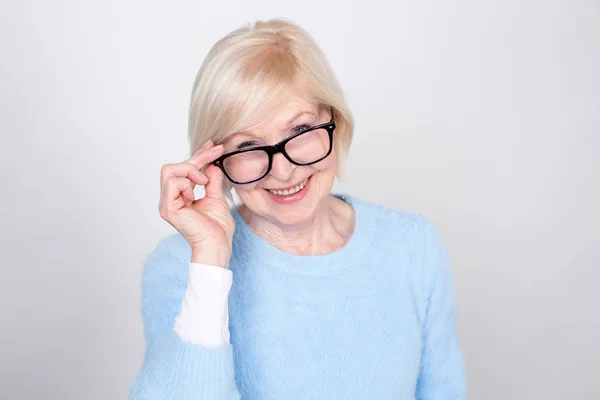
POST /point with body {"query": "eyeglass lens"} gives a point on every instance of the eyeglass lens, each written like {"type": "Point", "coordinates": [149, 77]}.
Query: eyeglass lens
{"type": "Point", "coordinates": [303, 149]}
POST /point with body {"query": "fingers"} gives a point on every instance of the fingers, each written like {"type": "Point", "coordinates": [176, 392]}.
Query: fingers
{"type": "Point", "coordinates": [205, 155]}
{"type": "Point", "coordinates": [181, 178]}
{"type": "Point", "coordinates": [176, 186]}
{"type": "Point", "coordinates": [191, 167]}
{"type": "Point", "coordinates": [182, 170]}
{"type": "Point", "coordinates": [214, 188]}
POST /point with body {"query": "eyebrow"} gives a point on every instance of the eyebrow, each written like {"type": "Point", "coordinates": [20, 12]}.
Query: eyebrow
{"type": "Point", "coordinates": [301, 113]}
{"type": "Point", "coordinates": [288, 123]}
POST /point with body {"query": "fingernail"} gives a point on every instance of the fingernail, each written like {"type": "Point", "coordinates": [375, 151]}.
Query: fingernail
{"type": "Point", "coordinates": [203, 178]}
{"type": "Point", "coordinates": [219, 147]}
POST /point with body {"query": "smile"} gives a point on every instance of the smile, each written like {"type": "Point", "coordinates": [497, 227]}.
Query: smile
{"type": "Point", "coordinates": [290, 194]}
{"type": "Point", "coordinates": [290, 191]}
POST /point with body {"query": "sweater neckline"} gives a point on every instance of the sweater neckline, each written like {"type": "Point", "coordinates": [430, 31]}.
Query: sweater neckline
{"type": "Point", "coordinates": [265, 254]}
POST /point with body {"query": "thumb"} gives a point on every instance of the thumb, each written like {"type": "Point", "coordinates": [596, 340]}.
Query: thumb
{"type": "Point", "coordinates": [214, 187]}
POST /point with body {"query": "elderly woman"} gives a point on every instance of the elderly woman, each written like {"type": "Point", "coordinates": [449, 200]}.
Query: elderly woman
{"type": "Point", "coordinates": [297, 293]}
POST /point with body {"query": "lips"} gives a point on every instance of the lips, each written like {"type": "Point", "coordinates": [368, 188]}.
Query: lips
{"type": "Point", "coordinates": [291, 194]}
{"type": "Point", "coordinates": [289, 191]}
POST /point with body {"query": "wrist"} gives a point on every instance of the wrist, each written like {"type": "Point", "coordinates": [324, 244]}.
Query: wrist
{"type": "Point", "coordinates": [212, 256]}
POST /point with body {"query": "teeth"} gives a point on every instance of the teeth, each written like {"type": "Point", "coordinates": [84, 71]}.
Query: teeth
{"type": "Point", "coordinates": [288, 192]}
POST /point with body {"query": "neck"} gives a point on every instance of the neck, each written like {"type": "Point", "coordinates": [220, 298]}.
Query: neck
{"type": "Point", "coordinates": [327, 230]}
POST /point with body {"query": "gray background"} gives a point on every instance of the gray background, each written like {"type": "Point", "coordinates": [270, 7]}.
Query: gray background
{"type": "Point", "coordinates": [483, 115]}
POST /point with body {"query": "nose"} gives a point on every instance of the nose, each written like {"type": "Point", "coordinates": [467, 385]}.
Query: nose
{"type": "Point", "coordinates": [282, 168]}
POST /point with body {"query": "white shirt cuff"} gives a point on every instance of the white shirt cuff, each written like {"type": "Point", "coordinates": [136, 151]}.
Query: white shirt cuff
{"type": "Point", "coordinates": [204, 317]}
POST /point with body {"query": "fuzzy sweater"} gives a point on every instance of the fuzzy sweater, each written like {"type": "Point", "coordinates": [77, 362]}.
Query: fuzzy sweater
{"type": "Point", "coordinates": [373, 320]}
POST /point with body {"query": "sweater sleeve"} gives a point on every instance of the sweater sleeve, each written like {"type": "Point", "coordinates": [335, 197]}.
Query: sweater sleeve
{"type": "Point", "coordinates": [174, 368]}
{"type": "Point", "coordinates": [442, 375]}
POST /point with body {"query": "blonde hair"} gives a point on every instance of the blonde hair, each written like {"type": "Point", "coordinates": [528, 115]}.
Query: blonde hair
{"type": "Point", "coordinates": [249, 75]}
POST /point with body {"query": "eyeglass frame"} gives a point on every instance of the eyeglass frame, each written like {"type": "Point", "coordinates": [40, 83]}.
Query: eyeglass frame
{"type": "Point", "coordinates": [271, 150]}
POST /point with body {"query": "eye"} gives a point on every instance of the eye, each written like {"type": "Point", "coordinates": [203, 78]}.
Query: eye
{"type": "Point", "coordinates": [300, 128]}
{"type": "Point", "coordinates": [246, 144]}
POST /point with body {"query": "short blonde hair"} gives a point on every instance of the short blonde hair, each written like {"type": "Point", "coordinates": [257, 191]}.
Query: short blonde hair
{"type": "Point", "coordinates": [249, 75]}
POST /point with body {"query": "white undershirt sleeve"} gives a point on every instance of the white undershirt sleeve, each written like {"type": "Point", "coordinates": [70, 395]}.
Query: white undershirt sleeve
{"type": "Point", "coordinates": [204, 318]}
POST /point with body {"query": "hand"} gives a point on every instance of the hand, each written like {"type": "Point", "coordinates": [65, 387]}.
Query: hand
{"type": "Point", "coordinates": [205, 223]}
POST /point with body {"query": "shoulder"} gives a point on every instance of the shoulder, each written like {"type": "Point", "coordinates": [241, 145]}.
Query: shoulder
{"type": "Point", "coordinates": [415, 247]}
{"type": "Point", "coordinates": [407, 233]}
{"type": "Point", "coordinates": [411, 227]}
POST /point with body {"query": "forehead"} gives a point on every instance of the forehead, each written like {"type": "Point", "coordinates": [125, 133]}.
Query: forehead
{"type": "Point", "coordinates": [291, 110]}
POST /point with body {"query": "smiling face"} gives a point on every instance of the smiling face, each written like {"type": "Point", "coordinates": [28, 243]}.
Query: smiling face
{"type": "Point", "coordinates": [290, 194]}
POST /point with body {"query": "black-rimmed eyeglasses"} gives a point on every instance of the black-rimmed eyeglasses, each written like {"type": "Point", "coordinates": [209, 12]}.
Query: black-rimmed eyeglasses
{"type": "Point", "coordinates": [303, 148]}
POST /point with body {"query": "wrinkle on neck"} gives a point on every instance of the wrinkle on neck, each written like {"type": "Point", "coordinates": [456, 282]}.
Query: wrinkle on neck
{"type": "Point", "coordinates": [325, 232]}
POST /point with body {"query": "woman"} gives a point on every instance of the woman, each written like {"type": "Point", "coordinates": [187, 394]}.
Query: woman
{"type": "Point", "coordinates": [297, 293]}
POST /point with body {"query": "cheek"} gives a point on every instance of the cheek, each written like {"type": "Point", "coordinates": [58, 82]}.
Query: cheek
{"type": "Point", "coordinates": [326, 171]}
{"type": "Point", "coordinates": [327, 166]}
{"type": "Point", "coordinates": [245, 191]}
{"type": "Point", "coordinates": [251, 195]}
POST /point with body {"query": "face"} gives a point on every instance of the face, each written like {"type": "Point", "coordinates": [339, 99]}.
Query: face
{"type": "Point", "coordinates": [289, 194]}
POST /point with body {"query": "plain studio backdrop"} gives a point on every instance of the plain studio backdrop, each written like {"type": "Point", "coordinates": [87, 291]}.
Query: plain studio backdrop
{"type": "Point", "coordinates": [482, 115]}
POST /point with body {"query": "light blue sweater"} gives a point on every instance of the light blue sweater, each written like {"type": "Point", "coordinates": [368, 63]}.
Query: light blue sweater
{"type": "Point", "coordinates": [373, 320]}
